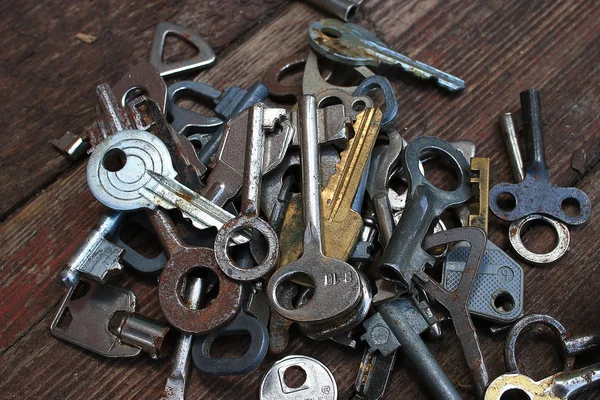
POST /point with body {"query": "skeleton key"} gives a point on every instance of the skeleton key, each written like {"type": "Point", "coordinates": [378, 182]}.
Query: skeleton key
{"type": "Point", "coordinates": [535, 194]}
{"type": "Point", "coordinates": [351, 44]}
{"type": "Point", "coordinates": [338, 195]}
{"type": "Point", "coordinates": [337, 285]}
{"type": "Point", "coordinates": [184, 259]}
{"type": "Point", "coordinates": [180, 365]}
{"type": "Point", "coordinates": [497, 293]}
{"type": "Point", "coordinates": [259, 118]}
{"type": "Point", "coordinates": [404, 255]}
{"type": "Point", "coordinates": [132, 170]}
{"type": "Point", "coordinates": [456, 302]}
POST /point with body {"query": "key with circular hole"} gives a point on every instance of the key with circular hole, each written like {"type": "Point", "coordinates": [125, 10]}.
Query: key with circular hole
{"type": "Point", "coordinates": [183, 260]}
{"type": "Point", "coordinates": [404, 255]}
{"type": "Point", "coordinates": [351, 44]}
{"type": "Point", "coordinates": [337, 288]}
{"type": "Point", "coordinates": [260, 119]}
{"type": "Point", "coordinates": [535, 194]}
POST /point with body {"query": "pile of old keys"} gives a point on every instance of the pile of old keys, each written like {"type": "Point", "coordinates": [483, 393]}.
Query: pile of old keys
{"type": "Point", "coordinates": [270, 217]}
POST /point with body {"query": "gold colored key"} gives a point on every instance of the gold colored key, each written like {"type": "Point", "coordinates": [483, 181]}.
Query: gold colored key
{"type": "Point", "coordinates": [480, 188]}
{"type": "Point", "coordinates": [341, 224]}
{"type": "Point", "coordinates": [563, 385]}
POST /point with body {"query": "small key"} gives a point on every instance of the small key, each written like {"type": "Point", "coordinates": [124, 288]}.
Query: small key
{"type": "Point", "coordinates": [351, 44]}
{"type": "Point", "coordinates": [373, 374]}
{"type": "Point", "coordinates": [404, 255]}
{"type": "Point", "coordinates": [498, 290]}
{"type": "Point", "coordinates": [260, 118]}
{"type": "Point", "coordinates": [561, 386]}
{"type": "Point", "coordinates": [337, 286]}
{"type": "Point", "coordinates": [337, 197]}
{"type": "Point", "coordinates": [535, 194]}
{"type": "Point", "coordinates": [188, 122]}
{"type": "Point", "coordinates": [132, 170]}
{"type": "Point", "coordinates": [102, 319]}
{"type": "Point", "coordinates": [180, 365]}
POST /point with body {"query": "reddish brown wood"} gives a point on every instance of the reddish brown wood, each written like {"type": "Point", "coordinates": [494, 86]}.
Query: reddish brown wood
{"type": "Point", "coordinates": [499, 48]}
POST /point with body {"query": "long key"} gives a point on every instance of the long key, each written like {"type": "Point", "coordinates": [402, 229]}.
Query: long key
{"type": "Point", "coordinates": [535, 194]}
{"type": "Point", "coordinates": [260, 118]}
{"type": "Point", "coordinates": [561, 386]}
{"type": "Point", "coordinates": [339, 194]}
{"type": "Point", "coordinates": [337, 285]}
{"type": "Point", "coordinates": [132, 170]}
{"type": "Point", "coordinates": [351, 44]}
{"type": "Point", "coordinates": [180, 365]}
{"type": "Point", "coordinates": [498, 290]}
{"type": "Point", "coordinates": [404, 255]}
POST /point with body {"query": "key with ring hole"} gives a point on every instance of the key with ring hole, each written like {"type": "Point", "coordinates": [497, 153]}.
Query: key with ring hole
{"type": "Point", "coordinates": [249, 361]}
{"type": "Point", "coordinates": [535, 194]}
{"type": "Point", "coordinates": [351, 44]}
{"type": "Point", "coordinates": [176, 385]}
{"type": "Point", "coordinates": [561, 386]}
{"type": "Point", "coordinates": [184, 259]}
{"type": "Point", "coordinates": [498, 290]}
{"type": "Point", "coordinates": [186, 121]}
{"type": "Point", "coordinates": [260, 119]}
{"type": "Point", "coordinates": [337, 288]}
{"type": "Point", "coordinates": [390, 110]}
{"type": "Point", "coordinates": [516, 227]}
{"type": "Point", "coordinates": [404, 255]}
{"type": "Point", "coordinates": [132, 170]}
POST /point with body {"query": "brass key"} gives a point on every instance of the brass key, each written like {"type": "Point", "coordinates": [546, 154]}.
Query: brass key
{"type": "Point", "coordinates": [337, 197]}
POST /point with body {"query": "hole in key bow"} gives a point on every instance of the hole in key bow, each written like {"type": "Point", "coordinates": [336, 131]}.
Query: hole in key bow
{"type": "Point", "coordinates": [331, 32]}
{"type": "Point", "coordinates": [230, 345]}
{"type": "Point", "coordinates": [515, 394]}
{"type": "Point", "coordinates": [178, 48]}
{"type": "Point", "coordinates": [440, 171]}
{"type": "Point", "coordinates": [294, 377]}
{"type": "Point", "coordinates": [114, 160]}
{"type": "Point", "coordinates": [571, 207]}
{"type": "Point", "coordinates": [539, 236]}
{"type": "Point", "coordinates": [211, 285]}
{"type": "Point", "coordinates": [503, 301]}
{"type": "Point", "coordinates": [506, 201]}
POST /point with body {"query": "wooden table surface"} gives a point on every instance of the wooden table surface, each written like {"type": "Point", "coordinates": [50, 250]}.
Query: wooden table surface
{"type": "Point", "coordinates": [499, 48]}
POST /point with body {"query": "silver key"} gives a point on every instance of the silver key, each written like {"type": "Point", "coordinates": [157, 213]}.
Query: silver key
{"type": "Point", "coordinates": [319, 384]}
{"type": "Point", "coordinates": [351, 44]}
{"type": "Point", "coordinates": [132, 170]}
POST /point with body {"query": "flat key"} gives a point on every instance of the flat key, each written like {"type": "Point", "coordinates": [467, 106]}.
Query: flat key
{"type": "Point", "coordinates": [351, 44]}
{"type": "Point", "coordinates": [535, 194]}
{"type": "Point", "coordinates": [337, 286]}
{"type": "Point", "coordinates": [561, 386]}
{"type": "Point", "coordinates": [404, 256]}
{"type": "Point", "coordinates": [180, 365]}
{"type": "Point", "coordinates": [373, 375]}
{"type": "Point", "coordinates": [132, 170]}
{"type": "Point", "coordinates": [260, 118]}
{"type": "Point", "coordinates": [339, 194]}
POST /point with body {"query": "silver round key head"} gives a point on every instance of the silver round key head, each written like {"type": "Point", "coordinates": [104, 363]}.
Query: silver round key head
{"type": "Point", "coordinates": [116, 170]}
{"type": "Point", "coordinates": [319, 382]}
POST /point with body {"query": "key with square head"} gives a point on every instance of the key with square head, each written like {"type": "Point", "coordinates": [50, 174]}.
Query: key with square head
{"type": "Point", "coordinates": [132, 170]}
{"type": "Point", "coordinates": [337, 288]}
{"type": "Point", "coordinates": [498, 290]}
{"type": "Point", "coordinates": [535, 194]}
{"type": "Point", "coordinates": [260, 119]}
{"type": "Point", "coordinates": [351, 44]}
{"type": "Point", "coordinates": [337, 197]}
{"type": "Point", "coordinates": [404, 256]}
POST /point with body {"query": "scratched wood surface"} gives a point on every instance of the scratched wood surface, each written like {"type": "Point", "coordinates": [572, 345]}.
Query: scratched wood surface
{"type": "Point", "coordinates": [499, 48]}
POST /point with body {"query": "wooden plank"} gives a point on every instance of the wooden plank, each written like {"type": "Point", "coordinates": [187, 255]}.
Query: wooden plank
{"type": "Point", "coordinates": [499, 49]}
{"type": "Point", "coordinates": [48, 76]}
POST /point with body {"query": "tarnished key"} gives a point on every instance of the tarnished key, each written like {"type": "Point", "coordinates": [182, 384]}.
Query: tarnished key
{"type": "Point", "coordinates": [351, 44]}
{"type": "Point", "coordinates": [498, 290]}
{"type": "Point", "coordinates": [561, 386]}
{"type": "Point", "coordinates": [260, 118]}
{"type": "Point", "coordinates": [338, 195]}
{"type": "Point", "coordinates": [337, 288]}
{"type": "Point", "coordinates": [373, 374]}
{"type": "Point", "coordinates": [132, 170]}
{"type": "Point", "coordinates": [404, 255]}
{"type": "Point", "coordinates": [180, 365]}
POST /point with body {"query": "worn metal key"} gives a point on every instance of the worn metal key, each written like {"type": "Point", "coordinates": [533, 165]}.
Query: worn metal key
{"type": "Point", "coordinates": [535, 194]}
{"type": "Point", "coordinates": [337, 288]}
{"type": "Point", "coordinates": [351, 44]}
{"type": "Point", "coordinates": [404, 255]}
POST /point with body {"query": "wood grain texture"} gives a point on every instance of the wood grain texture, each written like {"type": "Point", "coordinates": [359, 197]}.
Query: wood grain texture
{"type": "Point", "coordinates": [499, 48]}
